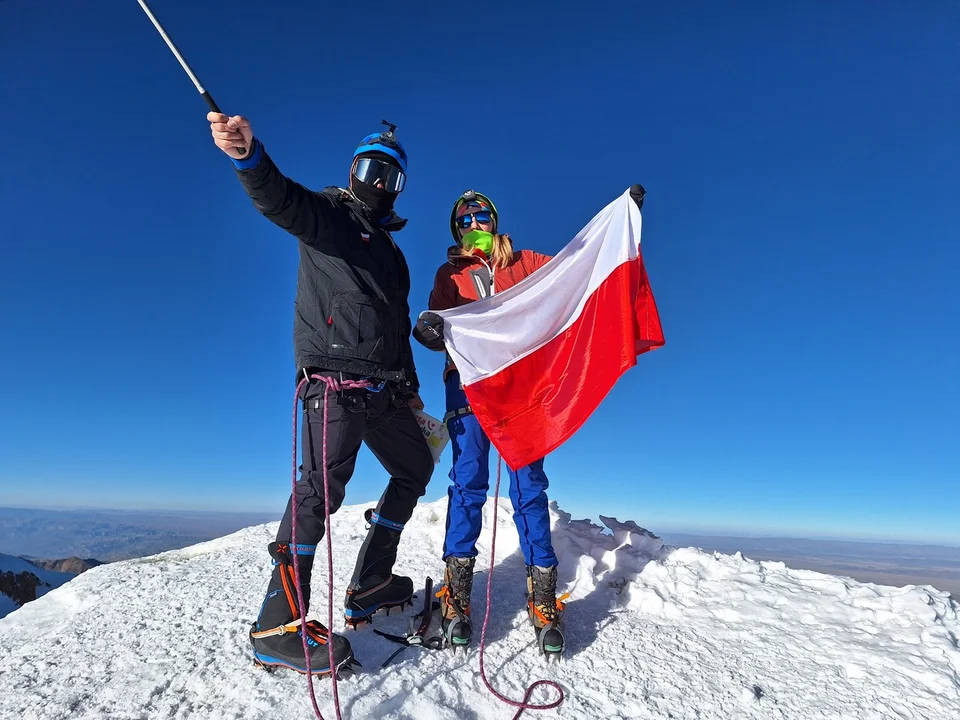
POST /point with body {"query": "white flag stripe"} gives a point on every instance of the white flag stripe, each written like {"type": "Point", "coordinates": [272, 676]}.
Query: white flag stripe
{"type": "Point", "coordinates": [499, 330]}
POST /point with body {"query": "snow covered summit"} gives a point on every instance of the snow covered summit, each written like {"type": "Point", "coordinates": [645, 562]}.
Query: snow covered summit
{"type": "Point", "coordinates": [652, 632]}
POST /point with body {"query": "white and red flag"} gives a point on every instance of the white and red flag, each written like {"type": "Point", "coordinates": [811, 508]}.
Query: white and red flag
{"type": "Point", "coordinates": [538, 358]}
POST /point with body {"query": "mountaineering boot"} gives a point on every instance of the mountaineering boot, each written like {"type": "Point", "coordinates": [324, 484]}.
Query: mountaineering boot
{"type": "Point", "coordinates": [373, 593]}
{"type": "Point", "coordinates": [545, 609]}
{"type": "Point", "coordinates": [455, 601]}
{"type": "Point", "coordinates": [276, 635]}
{"type": "Point", "coordinates": [374, 586]}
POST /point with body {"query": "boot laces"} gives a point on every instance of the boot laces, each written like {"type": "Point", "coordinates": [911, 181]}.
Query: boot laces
{"type": "Point", "coordinates": [459, 584]}
{"type": "Point", "coordinates": [316, 633]}
{"type": "Point", "coordinates": [544, 603]}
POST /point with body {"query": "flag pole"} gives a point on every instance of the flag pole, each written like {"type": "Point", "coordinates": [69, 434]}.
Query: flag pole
{"type": "Point", "coordinates": [183, 63]}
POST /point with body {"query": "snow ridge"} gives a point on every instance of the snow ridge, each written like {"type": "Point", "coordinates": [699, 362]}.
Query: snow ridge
{"type": "Point", "coordinates": [653, 632]}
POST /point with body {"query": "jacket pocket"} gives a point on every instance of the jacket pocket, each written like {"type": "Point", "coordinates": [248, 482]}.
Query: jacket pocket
{"type": "Point", "coordinates": [358, 324]}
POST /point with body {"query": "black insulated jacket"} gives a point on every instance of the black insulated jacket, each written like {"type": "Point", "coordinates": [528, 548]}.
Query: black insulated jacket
{"type": "Point", "coordinates": [352, 313]}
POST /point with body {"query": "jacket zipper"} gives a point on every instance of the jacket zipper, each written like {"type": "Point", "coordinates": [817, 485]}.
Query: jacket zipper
{"type": "Point", "coordinates": [492, 277]}
{"type": "Point", "coordinates": [490, 270]}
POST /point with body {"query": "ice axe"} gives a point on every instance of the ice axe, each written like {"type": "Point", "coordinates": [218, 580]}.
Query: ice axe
{"type": "Point", "coordinates": [183, 63]}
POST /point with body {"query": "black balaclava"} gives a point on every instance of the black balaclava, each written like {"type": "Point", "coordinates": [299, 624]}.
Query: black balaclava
{"type": "Point", "coordinates": [379, 201]}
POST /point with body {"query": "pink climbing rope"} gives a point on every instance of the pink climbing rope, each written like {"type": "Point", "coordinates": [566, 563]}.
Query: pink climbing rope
{"type": "Point", "coordinates": [332, 384]}
{"type": "Point", "coordinates": [523, 704]}
{"type": "Point", "coordinates": [335, 385]}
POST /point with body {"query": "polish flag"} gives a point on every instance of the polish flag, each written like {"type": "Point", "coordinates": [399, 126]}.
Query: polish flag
{"type": "Point", "coordinates": [538, 358]}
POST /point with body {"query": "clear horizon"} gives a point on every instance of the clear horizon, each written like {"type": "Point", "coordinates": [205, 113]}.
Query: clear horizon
{"type": "Point", "coordinates": [659, 529]}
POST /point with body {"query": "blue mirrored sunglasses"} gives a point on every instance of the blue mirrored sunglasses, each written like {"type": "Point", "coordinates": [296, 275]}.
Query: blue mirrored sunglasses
{"type": "Point", "coordinates": [483, 217]}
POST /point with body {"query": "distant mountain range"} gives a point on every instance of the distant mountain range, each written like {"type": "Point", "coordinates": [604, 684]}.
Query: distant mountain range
{"type": "Point", "coordinates": [896, 564]}
{"type": "Point", "coordinates": [73, 565]}
{"type": "Point", "coordinates": [110, 535]}
{"type": "Point", "coordinates": [82, 539]}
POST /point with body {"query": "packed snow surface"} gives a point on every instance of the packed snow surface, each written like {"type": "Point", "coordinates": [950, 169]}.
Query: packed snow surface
{"type": "Point", "coordinates": [652, 632]}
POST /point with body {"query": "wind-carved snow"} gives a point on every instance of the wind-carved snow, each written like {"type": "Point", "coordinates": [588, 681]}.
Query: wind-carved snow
{"type": "Point", "coordinates": [652, 632]}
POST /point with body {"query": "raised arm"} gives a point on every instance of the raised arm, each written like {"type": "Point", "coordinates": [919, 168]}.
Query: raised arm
{"type": "Point", "coordinates": [301, 212]}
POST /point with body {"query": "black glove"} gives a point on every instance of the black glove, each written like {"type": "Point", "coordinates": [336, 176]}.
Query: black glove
{"type": "Point", "coordinates": [636, 194]}
{"type": "Point", "coordinates": [429, 331]}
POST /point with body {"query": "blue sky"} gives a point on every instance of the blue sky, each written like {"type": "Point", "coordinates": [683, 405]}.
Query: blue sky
{"type": "Point", "coordinates": [800, 232]}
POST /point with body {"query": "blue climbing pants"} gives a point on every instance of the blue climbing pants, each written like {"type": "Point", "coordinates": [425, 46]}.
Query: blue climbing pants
{"type": "Point", "coordinates": [470, 478]}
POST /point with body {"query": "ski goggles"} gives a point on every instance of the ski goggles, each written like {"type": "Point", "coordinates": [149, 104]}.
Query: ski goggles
{"type": "Point", "coordinates": [372, 171]}
{"type": "Point", "coordinates": [481, 216]}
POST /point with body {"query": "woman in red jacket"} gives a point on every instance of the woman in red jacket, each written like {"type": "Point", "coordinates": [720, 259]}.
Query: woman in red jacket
{"type": "Point", "coordinates": [481, 263]}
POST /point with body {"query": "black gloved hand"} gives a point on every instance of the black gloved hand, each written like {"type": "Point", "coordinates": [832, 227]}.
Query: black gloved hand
{"type": "Point", "coordinates": [429, 331]}
{"type": "Point", "coordinates": [637, 194]}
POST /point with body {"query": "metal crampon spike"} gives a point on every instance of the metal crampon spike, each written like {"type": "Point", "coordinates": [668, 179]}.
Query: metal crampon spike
{"type": "Point", "coordinates": [348, 669]}
{"type": "Point", "coordinates": [268, 668]}
{"type": "Point", "coordinates": [356, 624]}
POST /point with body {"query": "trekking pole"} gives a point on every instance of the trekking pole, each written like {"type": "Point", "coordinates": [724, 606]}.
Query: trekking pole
{"type": "Point", "coordinates": [183, 63]}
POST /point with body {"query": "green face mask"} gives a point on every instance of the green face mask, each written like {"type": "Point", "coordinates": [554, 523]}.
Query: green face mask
{"type": "Point", "coordinates": [478, 239]}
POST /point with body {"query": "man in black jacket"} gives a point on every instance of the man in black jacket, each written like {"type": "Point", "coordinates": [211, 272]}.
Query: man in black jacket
{"type": "Point", "coordinates": [351, 323]}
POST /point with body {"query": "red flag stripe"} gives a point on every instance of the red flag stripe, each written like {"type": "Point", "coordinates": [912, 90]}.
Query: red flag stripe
{"type": "Point", "coordinates": [535, 404]}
